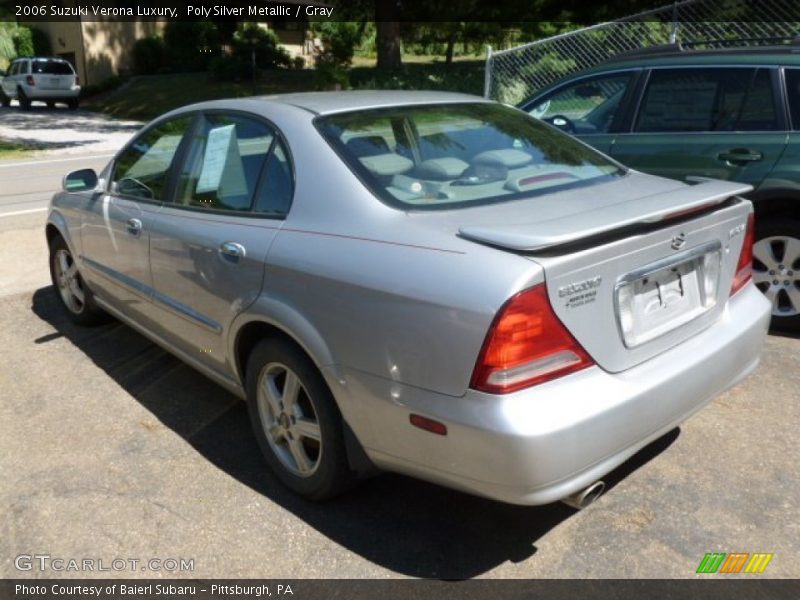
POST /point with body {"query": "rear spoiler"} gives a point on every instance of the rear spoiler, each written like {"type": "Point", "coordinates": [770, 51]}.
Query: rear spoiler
{"type": "Point", "coordinates": [648, 210]}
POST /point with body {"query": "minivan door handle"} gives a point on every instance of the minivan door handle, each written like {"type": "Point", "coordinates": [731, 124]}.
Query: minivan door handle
{"type": "Point", "coordinates": [134, 226]}
{"type": "Point", "coordinates": [232, 249]}
{"type": "Point", "coordinates": [740, 155]}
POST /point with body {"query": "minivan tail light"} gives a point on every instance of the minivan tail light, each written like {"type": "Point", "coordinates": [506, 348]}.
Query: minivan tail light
{"type": "Point", "coordinates": [29, 80]}
{"type": "Point", "coordinates": [77, 80]}
{"type": "Point", "coordinates": [526, 344]}
{"type": "Point", "coordinates": [744, 269]}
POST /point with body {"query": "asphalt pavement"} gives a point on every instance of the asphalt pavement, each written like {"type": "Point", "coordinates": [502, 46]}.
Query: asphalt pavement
{"type": "Point", "coordinates": [111, 448]}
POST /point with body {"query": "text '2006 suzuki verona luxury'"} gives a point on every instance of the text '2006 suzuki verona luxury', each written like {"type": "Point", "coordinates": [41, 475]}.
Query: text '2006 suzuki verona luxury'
{"type": "Point", "coordinates": [427, 283]}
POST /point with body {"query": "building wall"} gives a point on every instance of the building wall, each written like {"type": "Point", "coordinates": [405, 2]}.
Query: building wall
{"type": "Point", "coordinates": [66, 41]}
{"type": "Point", "coordinates": [108, 45]}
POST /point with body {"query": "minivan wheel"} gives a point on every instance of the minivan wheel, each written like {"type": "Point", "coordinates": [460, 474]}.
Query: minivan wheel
{"type": "Point", "coordinates": [75, 296]}
{"type": "Point", "coordinates": [776, 269]}
{"type": "Point", "coordinates": [73, 104]}
{"type": "Point", "coordinates": [296, 421]}
{"type": "Point", "coordinates": [4, 100]}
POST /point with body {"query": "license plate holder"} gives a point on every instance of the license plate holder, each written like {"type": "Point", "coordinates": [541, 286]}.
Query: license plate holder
{"type": "Point", "coordinates": [665, 295]}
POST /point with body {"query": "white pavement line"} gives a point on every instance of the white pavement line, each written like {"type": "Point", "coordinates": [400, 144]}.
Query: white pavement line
{"type": "Point", "coordinates": [22, 212]}
{"type": "Point", "coordinates": [53, 160]}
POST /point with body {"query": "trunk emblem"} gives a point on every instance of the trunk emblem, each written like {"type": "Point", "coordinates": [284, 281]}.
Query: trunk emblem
{"type": "Point", "coordinates": [678, 241]}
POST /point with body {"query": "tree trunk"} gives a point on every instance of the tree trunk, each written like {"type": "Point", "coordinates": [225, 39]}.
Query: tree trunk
{"type": "Point", "coordinates": [388, 34]}
{"type": "Point", "coordinates": [451, 46]}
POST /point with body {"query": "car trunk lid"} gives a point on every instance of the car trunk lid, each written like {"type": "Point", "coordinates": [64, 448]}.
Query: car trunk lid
{"type": "Point", "coordinates": [631, 279]}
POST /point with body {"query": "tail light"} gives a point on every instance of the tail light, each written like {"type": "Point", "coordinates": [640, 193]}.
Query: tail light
{"type": "Point", "coordinates": [77, 80]}
{"type": "Point", "coordinates": [526, 345]}
{"type": "Point", "coordinates": [29, 80]}
{"type": "Point", "coordinates": [744, 269]}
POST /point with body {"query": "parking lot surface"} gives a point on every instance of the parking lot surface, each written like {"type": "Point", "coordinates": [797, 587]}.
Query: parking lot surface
{"type": "Point", "coordinates": [111, 448]}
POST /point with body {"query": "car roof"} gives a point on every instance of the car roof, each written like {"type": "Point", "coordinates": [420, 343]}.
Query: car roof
{"type": "Point", "coordinates": [325, 103]}
{"type": "Point", "coordinates": [788, 54]}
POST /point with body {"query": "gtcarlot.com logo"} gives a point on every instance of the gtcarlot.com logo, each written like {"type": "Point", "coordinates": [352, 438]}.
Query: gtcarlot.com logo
{"type": "Point", "coordinates": [45, 562]}
{"type": "Point", "coordinates": [735, 562]}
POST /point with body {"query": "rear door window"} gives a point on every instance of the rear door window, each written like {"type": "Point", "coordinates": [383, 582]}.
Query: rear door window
{"type": "Point", "coordinates": [708, 100]}
{"type": "Point", "coordinates": [224, 163]}
{"type": "Point", "coordinates": [793, 95]}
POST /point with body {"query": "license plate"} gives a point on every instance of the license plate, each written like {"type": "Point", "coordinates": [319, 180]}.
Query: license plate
{"type": "Point", "coordinates": [661, 297]}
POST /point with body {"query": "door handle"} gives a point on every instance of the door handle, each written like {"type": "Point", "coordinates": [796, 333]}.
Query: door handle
{"type": "Point", "coordinates": [742, 155]}
{"type": "Point", "coordinates": [134, 226]}
{"type": "Point", "coordinates": [232, 249]}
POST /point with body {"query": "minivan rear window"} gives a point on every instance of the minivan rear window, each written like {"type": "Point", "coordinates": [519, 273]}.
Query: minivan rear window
{"type": "Point", "coordinates": [52, 67]}
{"type": "Point", "coordinates": [456, 155]}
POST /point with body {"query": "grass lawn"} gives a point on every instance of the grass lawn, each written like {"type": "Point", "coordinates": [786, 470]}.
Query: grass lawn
{"type": "Point", "coordinates": [9, 150]}
{"type": "Point", "coordinates": [144, 98]}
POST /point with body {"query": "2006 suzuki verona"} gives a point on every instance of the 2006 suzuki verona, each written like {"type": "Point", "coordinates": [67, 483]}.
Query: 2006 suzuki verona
{"type": "Point", "coordinates": [429, 283]}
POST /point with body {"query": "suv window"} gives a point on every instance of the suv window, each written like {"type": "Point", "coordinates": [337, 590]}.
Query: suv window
{"type": "Point", "coordinates": [223, 164]}
{"type": "Point", "coordinates": [142, 170]}
{"type": "Point", "coordinates": [702, 99]}
{"type": "Point", "coordinates": [586, 106]}
{"type": "Point", "coordinates": [52, 67]}
{"type": "Point", "coordinates": [793, 94]}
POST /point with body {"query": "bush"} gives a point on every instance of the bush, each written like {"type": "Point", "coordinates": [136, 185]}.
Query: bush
{"type": "Point", "coordinates": [339, 40]}
{"type": "Point", "coordinates": [149, 55]}
{"type": "Point", "coordinates": [23, 42]}
{"type": "Point", "coordinates": [191, 45]}
{"type": "Point", "coordinates": [269, 53]}
{"type": "Point", "coordinates": [229, 68]}
{"type": "Point", "coordinates": [330, 76]}
{"type": "Point", "coordinates": [41, 43]}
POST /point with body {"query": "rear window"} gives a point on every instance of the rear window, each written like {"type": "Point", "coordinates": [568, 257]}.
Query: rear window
{"type": "Point", "coordinates": [457, 155]}
{"type": "Point", "coordinates": [52, 67]}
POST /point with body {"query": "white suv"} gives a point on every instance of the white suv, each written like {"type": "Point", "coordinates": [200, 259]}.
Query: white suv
{"type": "Point", "coordinates": [50, 80]}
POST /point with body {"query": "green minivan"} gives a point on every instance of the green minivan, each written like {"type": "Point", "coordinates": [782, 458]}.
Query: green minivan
{"type": "Point", "coordinates": [690, 114]}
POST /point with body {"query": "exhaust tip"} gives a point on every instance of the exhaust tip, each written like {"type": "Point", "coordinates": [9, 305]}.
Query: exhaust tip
{"type": "Point", "coordinates": [583, 498]}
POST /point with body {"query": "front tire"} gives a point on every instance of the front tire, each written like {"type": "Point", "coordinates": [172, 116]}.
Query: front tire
{"type": "Point", "coordinates": [776, 269]}
{"type": "Point", "coordinates": [74, 294]}
{"type": "Point", "coordinates": [296, 421]}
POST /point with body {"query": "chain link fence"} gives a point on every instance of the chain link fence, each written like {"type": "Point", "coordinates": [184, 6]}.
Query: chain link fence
{"type": "Point", "coordinates": [515, 74]}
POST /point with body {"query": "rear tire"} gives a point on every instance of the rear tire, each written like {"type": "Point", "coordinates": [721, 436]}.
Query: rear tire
{"type": "Point", "coordinates": [296, 421]}
{"type": "Point", "coordinates": [776, 269]}
{"type": "Point", "coordinates": [51, 105]}
{"type": "Point", "coordinates": [24, 101]}
{"type": "Point", "coordinates": [73, 104]}
{"type": "Point", "coordinates": [76, 297]}
{"type": "Point", "coordinates": [4, 100]}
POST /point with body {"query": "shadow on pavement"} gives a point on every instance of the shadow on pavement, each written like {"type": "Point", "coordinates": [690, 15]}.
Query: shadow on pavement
{"type": "Point", "coordinates": [410, 527]}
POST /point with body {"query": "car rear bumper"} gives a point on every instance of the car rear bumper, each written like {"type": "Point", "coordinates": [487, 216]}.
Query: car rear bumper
{"type": "Point", "coordinates": [541, 444]}
{"type": "Point", "coordinates": [39, 93]}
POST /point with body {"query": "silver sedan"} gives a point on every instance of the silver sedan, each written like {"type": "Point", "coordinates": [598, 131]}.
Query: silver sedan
{"type": "Point", "coordinates": [426, 283]}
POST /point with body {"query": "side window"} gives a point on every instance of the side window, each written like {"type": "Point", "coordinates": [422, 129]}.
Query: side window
{"type": "Point", "coordinates": [15, 68]}
{"type": "Point", "coordinates": [142, 170]}
{"type": "Point", "coordinates": [223, 164]}
{"type": "Point", "coordinates": [793, 94]}
{"type": "Point", "coordinates": [706, 100]}
{"type": "Point", "coordinates": [585, 107]}
{"type": "Point", "coordinates": [275, 195]}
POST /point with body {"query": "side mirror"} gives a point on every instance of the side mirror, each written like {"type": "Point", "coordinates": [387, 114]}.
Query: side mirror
{"type": "Point", "coordinates": [80, 181]}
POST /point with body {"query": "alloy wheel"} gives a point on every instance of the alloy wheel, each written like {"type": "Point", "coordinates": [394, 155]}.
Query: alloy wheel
{"type": "Point", "coordinates": [68, 281]}
{"type": "Point", "coordinates": [289, 419]}
{"type": "Point", "coordinates": [776, 272]}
